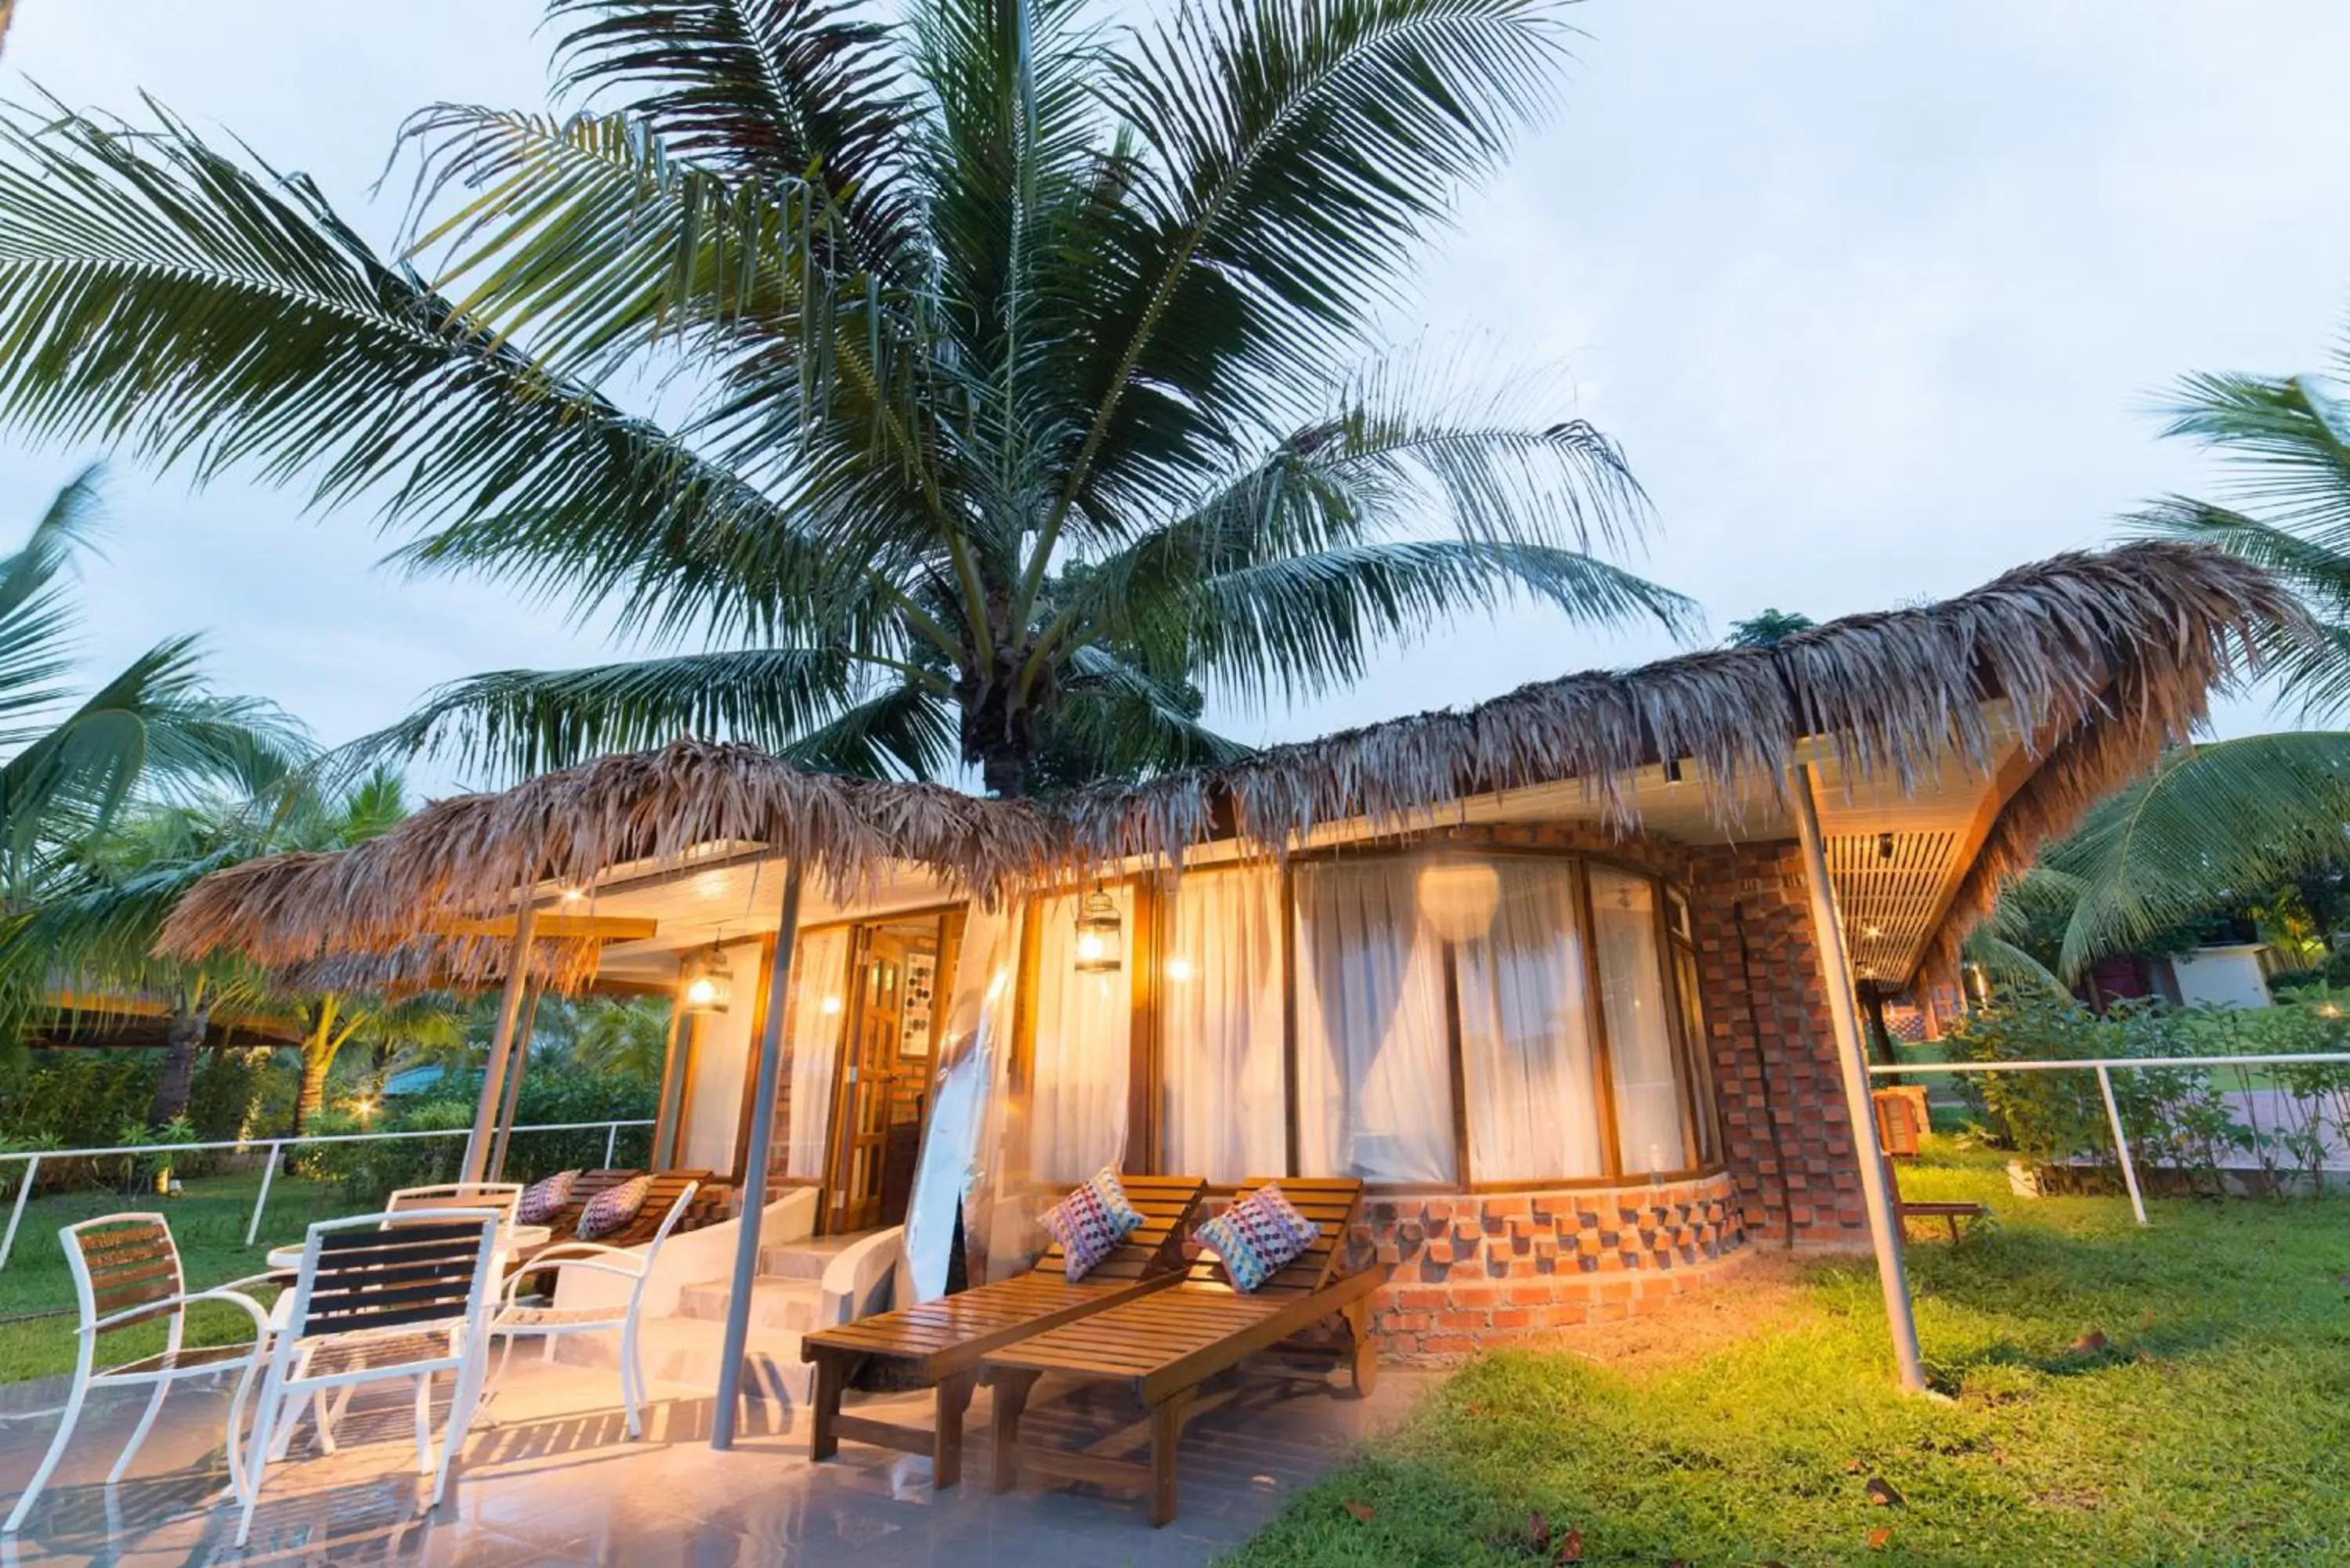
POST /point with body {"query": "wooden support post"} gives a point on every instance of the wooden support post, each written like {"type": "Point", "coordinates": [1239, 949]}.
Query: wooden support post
{"type": "Point", "coordinates": [1852, 1056]}
{"type": "Point", "coordinates": [669, 1105]}
{"type": "Point", "coordinates": [494, 1071]}
{"type": "Point", "coordinates": [1166, 1436]}
{"type": "Point", "coordinates": [516, 1069]}
{"type": "Point", "coordinates": [946, 1438]}
{"type": "Point", "coordinates": [1010, 1397]}
{"type": "Point", "coordinates": [754, 1168]}
{"type": "Point", "coordinates": [831, 1376]}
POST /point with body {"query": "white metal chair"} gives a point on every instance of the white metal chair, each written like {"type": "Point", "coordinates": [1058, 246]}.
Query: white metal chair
{"type": "Point", "coordinates": [126, 1270]}
{"type": "Point", "coordinates": [517, 1319]}
{"type": "Point", "coordinates": [377, 1301]}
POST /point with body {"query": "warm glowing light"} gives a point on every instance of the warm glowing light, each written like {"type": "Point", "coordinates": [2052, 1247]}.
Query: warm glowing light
{"type": "Point", "coordinates": [1099, 946]}
{"type": "Point", "coordinates": [705, 982]}
{"type": "Point", "coordinates": [700, 990]}
{"type": "Point", "coordinates": [1457, 897]}
{"type": "Point", "coordinates": [574, 895]}
{"type": "Point", "coordinates": [2328, 1010]}
{"type": "Point", "coordinates": [1872, 930]}
{"type": "Point", "coordinates": [1179, 968]}
{"type": "Point", "coordinates": [830, 1005]}
{"type": "Point", "coordinates": [363, 1107]}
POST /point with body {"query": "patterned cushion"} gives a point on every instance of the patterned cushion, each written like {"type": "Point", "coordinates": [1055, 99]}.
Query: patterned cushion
{"type": "Point", "coordinates": [1090, 1222]}
{"type": "Point", "coordinates": [1256, 1237]}
{"type": "Point", "coordinates": [543, 1200]}
{"type": "Point", "coordinates": [613, 1208]}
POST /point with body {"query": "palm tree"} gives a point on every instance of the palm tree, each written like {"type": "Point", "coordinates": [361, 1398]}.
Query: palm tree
{"type": "Point", "coordinates": [625, 1039]}
{"type": "Point", "coordinates": [2224, 822]}
{"type": "Point", "coordinates": [1020, 364]}
{"type": "Point", "coordinates": [1768, 627]}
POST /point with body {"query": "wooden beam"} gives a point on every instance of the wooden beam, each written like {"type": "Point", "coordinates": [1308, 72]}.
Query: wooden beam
{"type": "Point", "coordinates": [551, 927]}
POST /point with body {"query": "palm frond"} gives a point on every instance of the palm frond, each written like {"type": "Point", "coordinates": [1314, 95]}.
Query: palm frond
{"type": "Point", "coordinates": [38, 619]}
{"type": "Point", "coordinates": [2213, 823]}
{"type": "Point", "coordinates": [2286, 441]}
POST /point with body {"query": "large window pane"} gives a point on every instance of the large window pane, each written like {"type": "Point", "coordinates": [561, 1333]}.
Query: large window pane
{"type": "Point", "coordinates": [1076, 1083]}
{"type": "Point", "coordinates": [1639, 1031]}
{"type": "Point", "coordinates": [812, 1029]}
{"type": "Point", "coordinates": [1525, 1033]}
{"type": "Point", "coordinates": [1220, 1014]}
{"type": "Point", "coordinates": [1374, 1083]}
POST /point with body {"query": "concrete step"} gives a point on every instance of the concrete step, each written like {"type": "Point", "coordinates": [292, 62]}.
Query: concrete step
{"type": "Point", "coordinates": [784, 1303]}
{"type": "Point", "coordinates": [798, 1260]}
{"type": "Point", "coordinates": [685, 1352]}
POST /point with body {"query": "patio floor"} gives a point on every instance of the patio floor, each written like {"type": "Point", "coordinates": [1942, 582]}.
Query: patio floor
{"type": "Point", "coordinates": [549, 1477]}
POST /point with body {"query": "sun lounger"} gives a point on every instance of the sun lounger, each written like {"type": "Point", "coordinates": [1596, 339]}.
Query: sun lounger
{"type": "Point", "coordinates": [1165, 1344]}
{"type": "Point", "coordinates": [940, 1343]}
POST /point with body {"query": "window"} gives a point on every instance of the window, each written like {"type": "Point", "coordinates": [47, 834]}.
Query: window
{"type": "Point", "coordinates": [1526, 1050]}
{"type": "Point", "coordinates": [1221, 1022]}
{"type": "Point", "coordinates": [816, 1011]}
{"type": "Point", "coordinates": [1079, 1062]}
{"type": "Point", "coordinates": [1642, 1046]}
{"type": "Point", "coordinates": [1374, 1085]}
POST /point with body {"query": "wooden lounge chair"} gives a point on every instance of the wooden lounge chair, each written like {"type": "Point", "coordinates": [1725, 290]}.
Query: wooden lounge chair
{"type": "Point", "coordinates": [710, 1204]}
{"type": "Point", "coordinates": [1163, 1344]}
{"type": "Point", "coordinates": [1897, 1134]}
{"type": "Point", "coordinates": [939, 1344]}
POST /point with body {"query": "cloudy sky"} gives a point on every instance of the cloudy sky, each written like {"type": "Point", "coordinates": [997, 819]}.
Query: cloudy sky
{"type": "Point", "coordinates": [1878, 296]}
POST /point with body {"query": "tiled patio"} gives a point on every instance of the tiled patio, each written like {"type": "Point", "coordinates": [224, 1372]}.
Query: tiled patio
{"type": "Point", "coordinates": [549, 1477]}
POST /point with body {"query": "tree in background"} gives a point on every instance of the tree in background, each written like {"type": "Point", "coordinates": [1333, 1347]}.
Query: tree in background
{"type": "Point", "coordinates": [950, 299]}
{"type": "Point", "coordinates": [1767, 627]}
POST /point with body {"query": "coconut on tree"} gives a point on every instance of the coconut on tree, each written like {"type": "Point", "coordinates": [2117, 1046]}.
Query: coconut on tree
{"type": "Point", "coordinates": [1019, 367]}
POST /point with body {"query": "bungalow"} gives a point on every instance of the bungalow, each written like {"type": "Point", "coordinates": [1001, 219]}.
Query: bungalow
{"type": "Point", "coordinates": [1567, 978]}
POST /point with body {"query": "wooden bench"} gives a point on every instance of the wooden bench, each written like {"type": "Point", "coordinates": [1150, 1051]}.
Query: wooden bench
{"type": "Point", "coordinates": [1163, 1344]}
{"type": "Point", "coordinates": [940, 1343]}
{"type": "Point", "coordinates": [1899, 1132]}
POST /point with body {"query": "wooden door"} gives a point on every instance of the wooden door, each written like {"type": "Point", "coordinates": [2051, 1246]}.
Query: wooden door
{"type": "Point", "coordinates": [886, 1071]}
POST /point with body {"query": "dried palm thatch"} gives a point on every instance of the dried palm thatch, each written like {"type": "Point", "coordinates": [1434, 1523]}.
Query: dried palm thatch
{"type": "Point", "coordinates": [2105, 657]}
{"type": "Point", "coordinates": [372, 910]}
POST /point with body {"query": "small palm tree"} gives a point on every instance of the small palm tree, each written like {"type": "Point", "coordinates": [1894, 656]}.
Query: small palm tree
{"type": "Point", "coordinates": [625, 1038]}
{"type": "Point", "coordinates": [1020, 360]}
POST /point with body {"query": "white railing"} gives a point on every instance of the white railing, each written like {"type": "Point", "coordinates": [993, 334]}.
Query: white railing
{"type": "Point", "coordinates": [276, 1148]}
{"type": "Point", "coordinates": [2103, 1066]}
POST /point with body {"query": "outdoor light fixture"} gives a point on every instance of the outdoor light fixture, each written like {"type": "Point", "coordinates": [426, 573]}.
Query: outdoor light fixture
{"type": "Point", "coordinates": [705, 982]}
{"type": "Point", "coordinates": [1885, 847]}
{"type": "Point", "coordinates": [1101, 935]}
{"type": "Point", "coordinates": [1457, 897]}
{"type": "Point", "coordinates": [575, 895]}
{"type": "Point", "coordinates": [1179, 968]}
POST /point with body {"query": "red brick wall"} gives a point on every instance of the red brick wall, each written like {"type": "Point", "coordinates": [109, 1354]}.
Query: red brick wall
{"type": "Point", "coordinates": [1786, 1137]}
{"type": "Point", "coordinates": [1478, 1269]}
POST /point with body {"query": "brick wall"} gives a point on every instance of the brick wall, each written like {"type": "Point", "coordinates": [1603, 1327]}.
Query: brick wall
{"type": "Point", "coordinates": [1786, 1137]}
{"type": "Point", "coordinates": [1474, 1270]}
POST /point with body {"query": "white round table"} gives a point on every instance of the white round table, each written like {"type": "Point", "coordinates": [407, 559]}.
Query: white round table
{"type": "Point", "coordinates": [512, 1239]}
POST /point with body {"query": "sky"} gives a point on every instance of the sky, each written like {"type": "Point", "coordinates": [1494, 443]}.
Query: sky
{"type": "Point", "coordinates": [1879, 300]}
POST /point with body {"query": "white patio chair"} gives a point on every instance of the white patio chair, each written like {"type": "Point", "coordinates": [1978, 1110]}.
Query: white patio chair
{"type": "Point", "coordinates": [504, 1197]}
{"type": "Point", "coordinates": [126, 1270]}
{"type": "Point", "coordinates": [374, 1302]}
{"type": "Point", "coordinates": [517, 1319]}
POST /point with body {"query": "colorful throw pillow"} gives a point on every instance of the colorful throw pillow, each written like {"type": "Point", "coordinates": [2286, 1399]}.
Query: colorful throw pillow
{"type": "Point", "coordinates": [1258, 1236]}
{"type": "Point", "coordinates": [541, 1200]}
{"type": "Point", "coordinates": [1090, 1222]}
{"type": "Point", "coordinates": [613, 1208]}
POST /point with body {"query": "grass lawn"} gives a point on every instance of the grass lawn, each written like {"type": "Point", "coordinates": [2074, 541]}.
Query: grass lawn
{"type": "Point", "coordinates": [208, 1221]}
{"type": "Point", "coordinates": [2179, 1394]}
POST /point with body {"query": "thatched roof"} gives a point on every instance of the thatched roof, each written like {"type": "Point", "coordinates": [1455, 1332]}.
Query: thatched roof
{"type": "Point", "coordinates": [461, 858]}
{"type": "Point", "coordinates": [2105, 658]}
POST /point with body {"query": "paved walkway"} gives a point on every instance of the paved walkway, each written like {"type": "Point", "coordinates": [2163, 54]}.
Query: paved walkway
{"type": "Point", "coordinates": [549, 1477]}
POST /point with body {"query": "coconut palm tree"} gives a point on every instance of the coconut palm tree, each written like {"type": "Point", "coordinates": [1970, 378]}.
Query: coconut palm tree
{"type": "Point", "coordinates": [2221, 823]}
{"type": "Point", "coordinates": [905, 381]}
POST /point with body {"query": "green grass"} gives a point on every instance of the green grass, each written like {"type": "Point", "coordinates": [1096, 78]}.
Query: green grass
{"type": "Point", "coordinates": [2212, 1425]}
{"type": "Point", "coordinates": [208, 1221]}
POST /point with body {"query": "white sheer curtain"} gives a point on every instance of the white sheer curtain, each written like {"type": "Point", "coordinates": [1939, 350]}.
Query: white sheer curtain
{"type": "Point", "coordinates": [1374, 1088]}
{"type": "Point", "coordinates": [1220, 1019]}
{"type": "Point", "coordinates": [1639, 1034]}
{"type": "Point", "coordinates": [1525, 1033]}
{"type": "Point", "coordinates": [818, 1010]}
{"type": "Point", "coordinates": [1076, 1087]}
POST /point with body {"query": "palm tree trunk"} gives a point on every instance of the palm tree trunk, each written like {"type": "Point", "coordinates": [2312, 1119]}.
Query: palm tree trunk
{"type": "Point", "coordinates": [188, 1026]}
{"type": "Point", "coordinates": [315, 1064]}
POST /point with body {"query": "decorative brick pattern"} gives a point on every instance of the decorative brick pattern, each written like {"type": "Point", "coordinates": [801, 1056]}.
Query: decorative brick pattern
{"type": "Point", "coordinates": [1786, 1137]}
{"type": "Point", "coordinates": [1474, 1270]}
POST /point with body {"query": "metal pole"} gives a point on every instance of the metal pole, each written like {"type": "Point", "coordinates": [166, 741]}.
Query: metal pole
{"type": "Point", "coordinates": [16, 1212]}
{"type": "Point", "coordinates": [611, 1138]}
{"type": "Point", "coordinates": [1844, 1013]}
{"type": "Point", "coordinates": [268, 1174]}
{"type": "Point", "coordinates": [494, 1071]}
{"type": "Point", "coordinates": [754, 1169]}
{"type": "Point", "coordinates": [2121, 1144]}
{"type": "Point", "coordinates": [515, 1071]}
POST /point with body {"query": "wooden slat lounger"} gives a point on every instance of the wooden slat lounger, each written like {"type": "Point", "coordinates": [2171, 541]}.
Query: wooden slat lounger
{"type": "Point", "coordinates": [1165, 1344]}
{"type": "Point", "coordinates": [940, 1343]}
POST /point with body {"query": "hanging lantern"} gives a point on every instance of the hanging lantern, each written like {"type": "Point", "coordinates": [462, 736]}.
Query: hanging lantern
{"type": "Point", "coordinates": [1457, 897]}
{"type": "Point", "coordinates": [705, 982]}
{"type": "Point", "coordinates": [1101, 936]}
